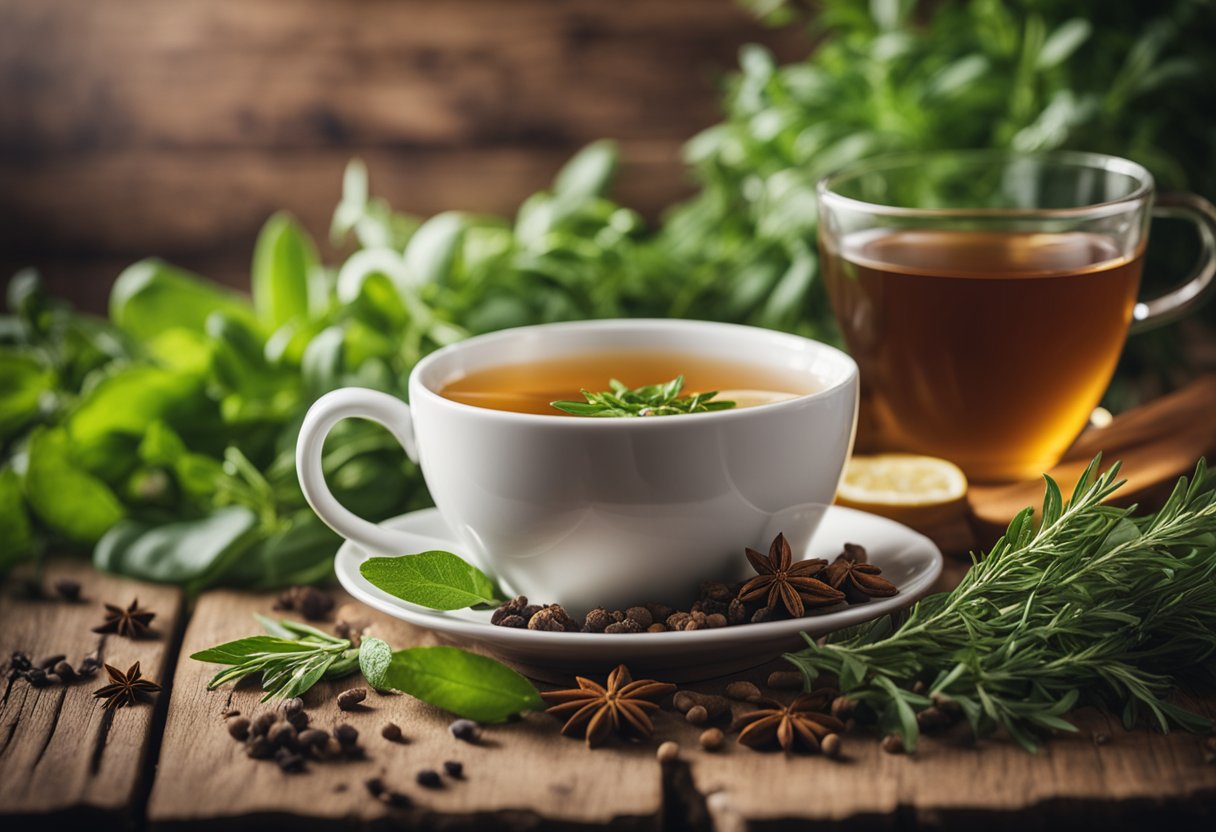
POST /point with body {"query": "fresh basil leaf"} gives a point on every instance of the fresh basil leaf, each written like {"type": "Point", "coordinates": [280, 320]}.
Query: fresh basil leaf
{"type": "Point", "coordinates": [284, 261]}
{"type": "Point", "coordinates": [65, 496]}
{"type": "Point", "coordinates": [187, 552]}
{"type": "Point", "coordinates": [152, 296]}
{"type": "Point", "coordinates": [127, 403]}
{"type": "Point", "coordinates": [237, 651]}
{"type": "Point", "coordinates": [16, 535]}
{"type": "Point", "coordinates": [23, 381]}
{"type": "Point", "coordinates": [460, 682]}
{"type": "Point", "coordinates": [432, 249]}
{"type": "Point", "coordinates": [375, 656]}
{"type": "Point", "coordinates": [437, 580]}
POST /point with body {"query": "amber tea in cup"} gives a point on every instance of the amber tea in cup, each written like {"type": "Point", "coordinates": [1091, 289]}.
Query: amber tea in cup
{"type": "Point", "coordinates": [986, 297]}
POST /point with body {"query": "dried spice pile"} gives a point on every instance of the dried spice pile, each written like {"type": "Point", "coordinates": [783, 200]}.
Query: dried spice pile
{"type": "Point", "coordinates": [782, 588]}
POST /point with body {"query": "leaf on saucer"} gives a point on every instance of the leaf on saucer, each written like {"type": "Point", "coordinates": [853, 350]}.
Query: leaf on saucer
{"type": "Point", "coordinates": [462, 683]}
{"type": "Point", "coordinates": [437, 580]}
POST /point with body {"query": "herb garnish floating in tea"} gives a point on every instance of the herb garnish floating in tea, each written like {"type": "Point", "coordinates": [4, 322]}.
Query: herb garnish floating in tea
{"type": "Point", "coordinates": [652, 400]}
{"type": "Point", "coordinates": [1091, 605]}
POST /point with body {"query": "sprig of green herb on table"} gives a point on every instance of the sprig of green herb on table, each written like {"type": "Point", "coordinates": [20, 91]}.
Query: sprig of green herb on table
{"type": "Point", "coordinates": [1091, 605]}
{"type": "Point", "coordinates": [294, 657]}
{"type": "Point", "coordinates": [437, 580]}
{"type": "Point", "coordinates": [291, 659]}
{"type": "Point", "coordinates": [651, 400]}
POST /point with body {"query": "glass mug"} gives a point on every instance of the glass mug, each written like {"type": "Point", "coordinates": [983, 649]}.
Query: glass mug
{"type": "Point", "coordinates": [986, 295]}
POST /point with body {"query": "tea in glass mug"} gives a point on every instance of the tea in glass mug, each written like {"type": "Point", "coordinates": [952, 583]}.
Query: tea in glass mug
{"type": "Point", "coordinates": [986, 295]}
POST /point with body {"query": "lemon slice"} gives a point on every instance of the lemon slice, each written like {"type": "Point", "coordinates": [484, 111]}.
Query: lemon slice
{"type": "Point", "coordinates": [919, 491]}
{"type": "Point", "coordinates": [751, 398]}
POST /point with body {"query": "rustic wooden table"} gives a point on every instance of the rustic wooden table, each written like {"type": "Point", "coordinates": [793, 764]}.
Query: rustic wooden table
{"type": "Point", "coordinates": [65, 764]}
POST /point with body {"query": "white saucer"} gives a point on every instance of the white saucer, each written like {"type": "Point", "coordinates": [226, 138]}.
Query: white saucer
{"type": "Point", "coordinates": [909, 560]}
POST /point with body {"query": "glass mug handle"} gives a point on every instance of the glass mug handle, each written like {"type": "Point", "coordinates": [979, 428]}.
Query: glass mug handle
{"type": "Point", "coordinates": [1175, 303]}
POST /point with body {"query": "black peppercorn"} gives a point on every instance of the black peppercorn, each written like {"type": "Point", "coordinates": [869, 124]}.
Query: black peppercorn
{"type": "Point", "coordinates": [375, 786]}
{"type": "Point", "coordinates": [454, 768]}
{"type": "Point", "coordinates": [465, 730]}
{"type": "Point", "coordinates": [289, 761]}
{"type": "Point", "coordinates": [261, 724]}
{"type": "Point", "coordinates": [314, 604]}
{"type": "Point", "coordinates": [68, 589]}
{"type": "Point", "coordinates": [259, 748]}
{"type": "Point", "coordinates": [346, 734]}
{"type": "Point", "coordinates": [238, 728]}
{"type": "Point", "coordinates": [429, 778]}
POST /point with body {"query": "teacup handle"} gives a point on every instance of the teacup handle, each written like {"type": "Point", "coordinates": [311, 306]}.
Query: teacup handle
{"type": "Point", "coordinates": [326, 412]}
{"type": "Point", "coordinates": [1175, 303]}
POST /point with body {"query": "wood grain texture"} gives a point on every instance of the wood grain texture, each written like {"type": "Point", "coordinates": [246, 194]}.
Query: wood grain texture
{"type": "Point", "coordinates": [61, 755]}
{"type": "Point", "coordinates": [522, 775]}
{"type": "Point", "coordinates": [134, 127]}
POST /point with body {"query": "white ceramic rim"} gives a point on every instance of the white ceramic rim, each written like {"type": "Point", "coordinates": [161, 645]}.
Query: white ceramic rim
{"type": "Point", "coordinates": [841, 362]}
{"type": "Point", "coordinates": [918, 587]}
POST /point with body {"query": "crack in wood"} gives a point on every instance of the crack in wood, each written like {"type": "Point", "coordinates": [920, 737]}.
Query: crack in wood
{"type": "Point", "coordinates": [12, 726]}
{"type": "Point", "coordinates": [99, 742]}
{"type": "Point", "coordinates": [50, 734]}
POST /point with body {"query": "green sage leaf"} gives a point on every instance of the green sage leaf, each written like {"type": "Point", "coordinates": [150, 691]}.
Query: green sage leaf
{"type": "Point", "coordinates": [462, 683]}
{"type": "Point", "coordinates": [437, 580]}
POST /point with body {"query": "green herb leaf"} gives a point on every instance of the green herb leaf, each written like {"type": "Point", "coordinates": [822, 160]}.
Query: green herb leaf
{"type": "Point", "coordinates": [375, 656]}
{"type": "Point", "coordinates": [284, 262]}
{"type": "Point", "coordinates": [652, 400]}
{"type": "Point", "coordinates": [288, 666]}
{"type": "Point", "coordinates": [437, 580]}
{"type": "Point", "coordinates": [455, 680]}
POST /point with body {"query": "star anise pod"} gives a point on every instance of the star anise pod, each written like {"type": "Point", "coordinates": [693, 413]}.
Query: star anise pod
{"type": "Point", "coordinates": [131, 622]}
{"type": "Point", "coordinates": [793, 584]}
{"type": "Point", "coordinates": [858, 580]}
{"type": "Point", "coordinates": [598, 710]}
{"type": "Point", "coordinates": [802, 723]}
{"type": "Point", "coordinates": [125, 688]}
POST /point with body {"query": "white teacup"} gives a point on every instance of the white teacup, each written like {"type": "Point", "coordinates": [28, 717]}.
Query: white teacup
{"type": "Point", "coordinates": [608, 511]}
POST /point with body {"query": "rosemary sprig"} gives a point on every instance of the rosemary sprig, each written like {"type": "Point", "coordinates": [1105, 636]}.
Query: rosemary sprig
{"type": "Point", "coordinates": [1093, 605]}
{"type": "Point", "coordinates": [652, 400]}
{"type": "Point", "coordinates": [291, 659]}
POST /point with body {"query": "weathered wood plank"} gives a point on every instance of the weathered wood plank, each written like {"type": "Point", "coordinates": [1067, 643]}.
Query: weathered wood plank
{"type": "Point", "coordinates": [952, 785]}
{"type": "Point", "coordinates": [61, 755]}
{"type": "Point", "coordinates": [523, 775]}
